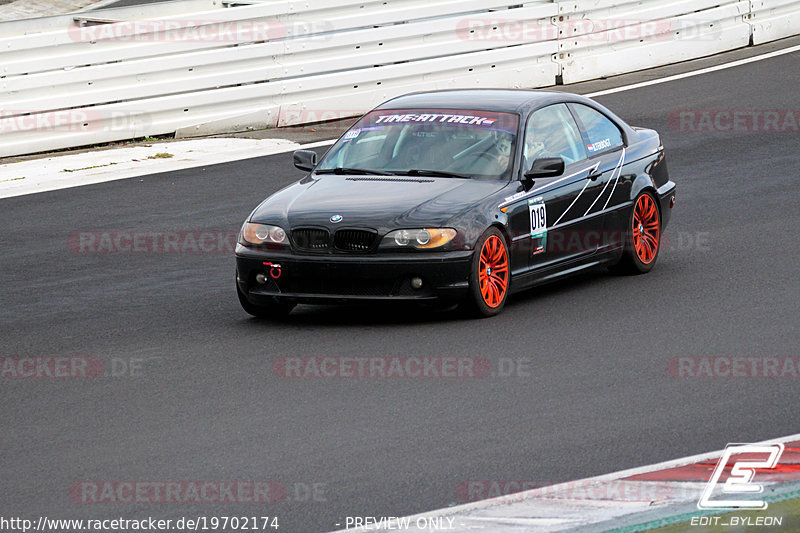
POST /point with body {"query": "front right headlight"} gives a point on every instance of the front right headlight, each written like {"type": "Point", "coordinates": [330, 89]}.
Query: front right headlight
{"type": "Point", "coordinates": [421, 238]}
{"type": "Point", "coordinates": [253, 234]}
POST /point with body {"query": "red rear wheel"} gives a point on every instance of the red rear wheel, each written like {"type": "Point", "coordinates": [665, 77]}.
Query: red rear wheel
{"type": "Point", "coordinates": [643, 239]}
{"type": "Point", "coordinates": [646, 232]}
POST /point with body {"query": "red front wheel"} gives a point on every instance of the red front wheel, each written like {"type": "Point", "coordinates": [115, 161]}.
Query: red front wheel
{"type": "Point", "coordinates": [491, 274]}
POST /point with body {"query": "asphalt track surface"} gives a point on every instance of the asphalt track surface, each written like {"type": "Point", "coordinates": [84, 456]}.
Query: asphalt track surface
{"type": "Point", "coordinates": [206, 404]}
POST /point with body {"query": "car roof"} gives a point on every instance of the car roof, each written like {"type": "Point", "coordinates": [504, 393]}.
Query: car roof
{"type": "Point", "coordinates": [501, 100]}
{"type": "Point", "coordinates": [519, 101]}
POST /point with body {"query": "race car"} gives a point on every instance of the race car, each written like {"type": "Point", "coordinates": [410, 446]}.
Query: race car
{"type": "Point", "coordinates": [459, 196]}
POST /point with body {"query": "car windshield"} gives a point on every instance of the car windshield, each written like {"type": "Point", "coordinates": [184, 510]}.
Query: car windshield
{"type": "Point", "coordinates": [427, 142]}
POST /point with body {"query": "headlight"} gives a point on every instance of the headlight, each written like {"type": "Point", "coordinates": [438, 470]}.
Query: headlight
{"type": "Point", "coordinates": [256, 234]}
{"type": "Point", "coordinates": [423, 239]}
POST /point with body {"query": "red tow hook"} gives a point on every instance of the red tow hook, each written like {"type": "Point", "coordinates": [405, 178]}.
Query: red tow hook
{"type": "Point", "coordinates": [274, 269]}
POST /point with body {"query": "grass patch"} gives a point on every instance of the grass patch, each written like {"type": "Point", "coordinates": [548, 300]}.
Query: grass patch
{"type": "Point", "coordinates": [162, 155]}
{"type": "Point", "coordinates": [87, 168]}
{"type": "Point", "coordinates": [12, 179]}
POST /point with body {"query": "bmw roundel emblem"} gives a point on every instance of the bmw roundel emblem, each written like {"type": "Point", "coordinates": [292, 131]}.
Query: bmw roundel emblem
{"type": "Point", "coordinates": [336, 219]}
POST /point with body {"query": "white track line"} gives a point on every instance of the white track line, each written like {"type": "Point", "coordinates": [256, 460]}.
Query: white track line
{"type": "Point", "coordinates": [11, 175]}
{"type": "Point", "coordinates": [715, 68]}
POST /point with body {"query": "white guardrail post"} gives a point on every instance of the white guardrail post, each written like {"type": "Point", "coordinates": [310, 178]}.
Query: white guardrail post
{"type": "Point", "coordinates": [197, 67]}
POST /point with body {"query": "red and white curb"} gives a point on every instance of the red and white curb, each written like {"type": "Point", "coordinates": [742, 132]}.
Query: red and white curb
{"type": "Point", "coordinates": [618, 501]}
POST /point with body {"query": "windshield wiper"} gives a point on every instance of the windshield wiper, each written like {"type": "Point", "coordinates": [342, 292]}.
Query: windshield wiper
{"type": "Point", "coordinates": [345, 170]}
{"type": "Point", "coordinates": [434, 173]}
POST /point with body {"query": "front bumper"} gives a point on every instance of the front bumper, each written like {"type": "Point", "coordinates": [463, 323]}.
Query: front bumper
{"type": "Point", "coordinates": [341, 277]}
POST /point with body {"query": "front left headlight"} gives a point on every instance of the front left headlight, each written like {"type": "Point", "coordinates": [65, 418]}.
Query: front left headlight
{"type": "Point", "coordinates": [419, 238]}
{"type": "Point", "coordinates": [253, 234]}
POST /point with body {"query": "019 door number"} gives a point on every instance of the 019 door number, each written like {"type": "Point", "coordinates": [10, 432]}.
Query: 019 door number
{"type": "Point", "coordinates": [538, 227]}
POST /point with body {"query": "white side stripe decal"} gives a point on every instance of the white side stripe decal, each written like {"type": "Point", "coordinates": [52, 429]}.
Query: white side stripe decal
{"type": "Point", "coordinates": [615, 182]}
{"type": "Point", "coordinates": [619, 166]}
{"type": "Point", "coordinates": [512, 200]}
{"type": "Point", "coordinates": [573, 203]}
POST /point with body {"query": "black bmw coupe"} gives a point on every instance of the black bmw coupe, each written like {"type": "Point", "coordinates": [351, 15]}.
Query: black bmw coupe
{"type": "Point", "coordinates": [459, 196]}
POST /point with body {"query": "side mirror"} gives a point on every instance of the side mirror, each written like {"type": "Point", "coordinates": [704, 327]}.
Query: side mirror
{"type": "Point", "coordinates": [545, 167]}
{"type": "Point", "coordinates": [305, 159]}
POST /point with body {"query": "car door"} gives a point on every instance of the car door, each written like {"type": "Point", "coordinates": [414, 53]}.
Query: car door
{"type": "Point", "coordinates": [556, 205]}
{"type": "Point", "coordinates": [605, 145]}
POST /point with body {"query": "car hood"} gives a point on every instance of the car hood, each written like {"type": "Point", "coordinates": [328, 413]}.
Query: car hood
{"type": "Point", "coordinates": [377, 202]}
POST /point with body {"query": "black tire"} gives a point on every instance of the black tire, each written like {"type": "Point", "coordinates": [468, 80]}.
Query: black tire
{"type": "Point", "coordinates": [498, 282]}
{"type": "Point", "coordinates": [275, 310]}
{"type": "Point", "coordinates": [642, 239]}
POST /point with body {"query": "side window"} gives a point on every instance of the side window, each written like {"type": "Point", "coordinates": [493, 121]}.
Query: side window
{"type": "Point", "coordinates": [603, 134]}
{"type": "Point", "coordinates": [552, 132]}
